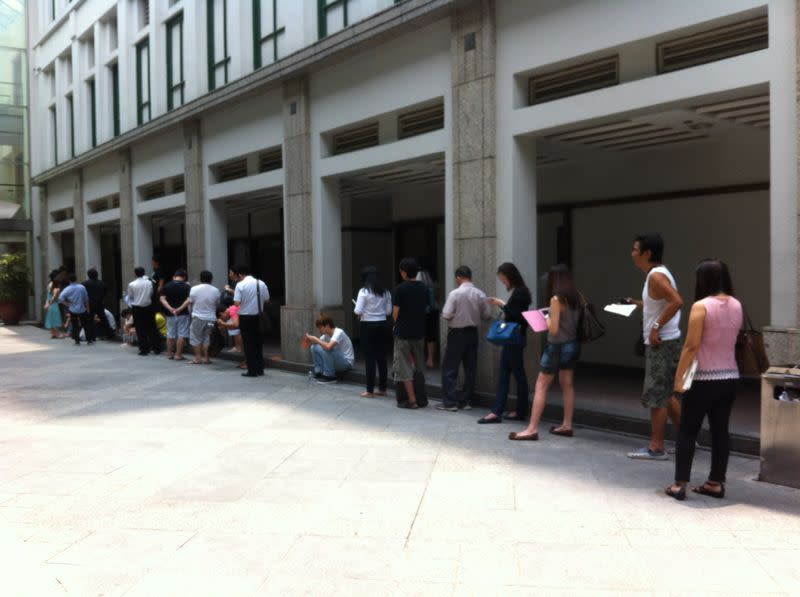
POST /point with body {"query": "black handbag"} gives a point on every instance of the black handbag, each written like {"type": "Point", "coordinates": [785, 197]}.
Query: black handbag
{"type": "Point", "coordinates": [589, 325]}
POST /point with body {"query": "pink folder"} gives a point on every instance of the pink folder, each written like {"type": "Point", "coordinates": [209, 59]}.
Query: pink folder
{"type": "Point", "coordinates": [536, 320]}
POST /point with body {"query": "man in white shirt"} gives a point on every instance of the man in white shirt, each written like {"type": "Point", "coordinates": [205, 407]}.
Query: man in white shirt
{"type": "Point", "coordinates": [140, 297]}
{"type": "Point", "coordinates": [250, 295]}
{"type": "Point", "coordinates": [204, 299]}
{"type": "Point", "coordinates": [332, 352]}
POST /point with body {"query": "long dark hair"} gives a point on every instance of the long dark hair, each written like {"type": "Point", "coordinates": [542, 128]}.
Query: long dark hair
{"type": "Point", "coordinates": [561, 284]}
{"type": "Point", "coordinates": [711, 278]}
{"type": "Point", "coordinates": [371, 279]}
{"type": "Point", "coordinates": [510, 271]}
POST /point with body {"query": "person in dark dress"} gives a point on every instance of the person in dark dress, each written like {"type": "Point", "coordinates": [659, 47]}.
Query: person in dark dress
{"type": "Point", "coordinates": [511, 355]}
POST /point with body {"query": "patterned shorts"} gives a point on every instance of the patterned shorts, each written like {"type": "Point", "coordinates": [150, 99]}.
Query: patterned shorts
{"type": "Point", "coordinates": [661, 362]}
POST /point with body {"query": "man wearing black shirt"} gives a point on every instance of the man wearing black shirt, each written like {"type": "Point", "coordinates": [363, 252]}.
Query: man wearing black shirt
{"type": "Point", "coordinates": [173, 299]}
{"type": "Point", "coordinates": [409, 312]}
{"type": "Point", "coordinates": [96, 289]}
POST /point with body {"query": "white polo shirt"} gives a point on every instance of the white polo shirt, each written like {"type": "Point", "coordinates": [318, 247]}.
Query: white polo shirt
{"type": "Point", "coordinates": [246, 294]}
{"type": "Point", "coordinates": [140, 292]}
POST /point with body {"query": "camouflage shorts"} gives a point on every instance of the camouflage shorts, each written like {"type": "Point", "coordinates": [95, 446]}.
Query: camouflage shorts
{"type": "Point", "coordinates": [661, 362]}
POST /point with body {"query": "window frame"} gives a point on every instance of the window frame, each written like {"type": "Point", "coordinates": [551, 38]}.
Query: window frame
{"type": "Point", "coordinates": [259, 40]}
{"type": "Point", "coordinates": [213, 63]}
{"type": "Point", "coordinates": [70, 99]}
{"type": "Point", "coordinates": [323, 6]}
{"type": "Point", "coordinates": [141, 105]}
{"type": "Point", "coordinates": [172, 86]}
{"type": "Point", "coordinates": [115, 99]}
{"type": "Point", "coordinates": [92, 84]}
{"type": "Point", "coordinates": [54, 123]}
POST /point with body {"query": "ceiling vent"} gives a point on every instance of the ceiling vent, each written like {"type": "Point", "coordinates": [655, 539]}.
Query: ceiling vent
{"type": "Point", "coordinates": [420, 121]}
{"type": "Point", "coordinates": [356, 138]}
{"type": "Point", "coordinates": [717, 44]}
{"type": "Point", "coordinates": [271, 159]}
{"type": "Point", "coordinates": [231, 170]}
{"type": "Point", "coordinates": [154, 190]}
{"type": "Point", "coordinates": [573, 80]}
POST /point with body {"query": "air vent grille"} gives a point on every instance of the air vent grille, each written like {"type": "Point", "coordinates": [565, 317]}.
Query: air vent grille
{"type": "Point", "coordinates": [418, 122]}
{"type": "Point", "coordinates": [717, 44]}
{"type": "Point", "coordinates": [104, 204]}
{"type": "Point", "coordinates": [154, 190]}
{"type": "Point", "coordinates": [573, 80]}
{"type": "Point", "coordinates": [271, 159]}
{"type": "Point", "coordinates": [231, 170]}
{"type": "Point", "coordinates": [178, 184]}
{"type": "Point", "coordinates": [357, 138]}
{"type": "Point", "coordinates": [62, 215]}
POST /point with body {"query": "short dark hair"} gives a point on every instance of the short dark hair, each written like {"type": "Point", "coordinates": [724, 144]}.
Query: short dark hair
{"type": "Point", "coordinates": [92, 273]}
{"type": "Point", "coordinates": [181, 273]}
{"type": "Point", "coordinates": [464, 272]}
{"type": "Point", "coordinates": [712, 277]}
{"type": "Point", "coordinates": [73, 278]}
{"type": "Point", "coordinates": [156, 258]}
{"type": "Point", "coordinates": [139, 271]}
{"type": "Point", "coordinates": [242, 270]}
{"type": "Point", "coordinates": [206, 276]}
{"type": "Point", "coordinates": [324, 321]}
{"type": "Point", "coordinates": [234, 269]}
{"type": "Point", "coordinates": [651, 242]}
{"type": "Point", "coordinates": [410, 266]}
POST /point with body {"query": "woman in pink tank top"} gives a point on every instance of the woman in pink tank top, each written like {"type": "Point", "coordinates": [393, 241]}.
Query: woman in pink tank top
{"type": "Point", "coordinates": [714, 324]}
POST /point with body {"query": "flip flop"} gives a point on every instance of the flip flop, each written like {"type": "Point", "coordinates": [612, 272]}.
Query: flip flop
{"type": "Point", "coordinates": [171, 358]}
{"type": "Point", "coordinates": [194, 363]}
{"type": "Point", "coordinates": [179, 358]}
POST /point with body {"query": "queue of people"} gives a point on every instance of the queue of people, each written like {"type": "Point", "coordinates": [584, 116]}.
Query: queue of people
{"type": "Point", "coordinates": [404, 316]}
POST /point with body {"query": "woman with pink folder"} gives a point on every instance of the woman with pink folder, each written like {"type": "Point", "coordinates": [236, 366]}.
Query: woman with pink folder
{"type": "Point", "coordinates": [560, 354]}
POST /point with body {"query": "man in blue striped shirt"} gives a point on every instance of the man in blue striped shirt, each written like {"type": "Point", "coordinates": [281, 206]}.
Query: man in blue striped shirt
{"type": "Point", "coordinates": [76, 300]}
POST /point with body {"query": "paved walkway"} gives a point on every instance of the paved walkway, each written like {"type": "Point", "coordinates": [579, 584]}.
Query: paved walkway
{"type": "Point", "coordinates": [123, 475]}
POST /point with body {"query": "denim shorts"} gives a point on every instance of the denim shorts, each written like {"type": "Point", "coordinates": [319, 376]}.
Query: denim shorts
{"type": "Point", "coordinates": [560, 357]}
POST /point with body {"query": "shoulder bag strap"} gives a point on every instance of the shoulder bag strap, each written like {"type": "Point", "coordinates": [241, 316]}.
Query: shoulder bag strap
{"type": "Point", "coordinates": [258, 295]}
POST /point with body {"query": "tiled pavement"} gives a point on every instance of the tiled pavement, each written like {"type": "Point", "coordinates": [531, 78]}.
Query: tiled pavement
{"type": "Point", "coordinates": [122, 475]}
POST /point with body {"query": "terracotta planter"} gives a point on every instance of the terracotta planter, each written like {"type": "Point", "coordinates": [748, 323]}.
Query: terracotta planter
{"type": "Point", "coordinates": [11, 313]}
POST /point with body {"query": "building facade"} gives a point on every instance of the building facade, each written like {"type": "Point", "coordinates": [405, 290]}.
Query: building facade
{"type": "Point", "coordinates": [314, 137]}
{"type": "Point", "coordinates": [16, 224]}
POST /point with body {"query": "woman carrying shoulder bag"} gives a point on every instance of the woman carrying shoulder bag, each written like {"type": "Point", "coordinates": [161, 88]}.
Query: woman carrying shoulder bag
{"type": "Point", "coordinates": [511, 355]}
{"type": "Point", "coordinates": [373, 306]}
{"type": "Point", "coordinates": [560, 354]}
{"type": "Point", "coordinates": [714, 324]}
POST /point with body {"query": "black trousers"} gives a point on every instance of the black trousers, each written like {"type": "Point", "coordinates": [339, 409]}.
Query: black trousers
{"type": "Point", "coordinates": [144, 320]}
{"type": "Point", "coordinates": [375, 342]}
{"type": "Point", "coordinates": [82, 320]}
{"type": "Point", "coordinates": [713, 399]}
{"type": "Point", "coordinates": [462, 348]}
{"type": "Point", "coordinates": [100, 312]}
{"type": "Point", "coordinates": [250, 325]}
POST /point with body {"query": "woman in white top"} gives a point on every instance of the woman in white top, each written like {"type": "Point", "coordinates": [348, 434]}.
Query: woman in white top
{"type": "Point", "coordinates": [373, 306]}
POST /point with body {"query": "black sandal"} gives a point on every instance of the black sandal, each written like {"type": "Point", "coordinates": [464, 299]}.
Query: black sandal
{"type": "Point", "coordinates": [409, 405]}
{"type": "Point", "coordinates": [703, 490]}
{"type": "Point", "coordinates": [678, 495]}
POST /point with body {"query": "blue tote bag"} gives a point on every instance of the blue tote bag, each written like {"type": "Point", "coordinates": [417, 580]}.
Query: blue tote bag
{"type": "Point", "coordinates": [504, 333]}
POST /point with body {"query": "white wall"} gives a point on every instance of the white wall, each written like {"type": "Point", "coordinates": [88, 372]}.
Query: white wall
{"type": "Point", "coordinates": [726, 227]}
{"type": "Point", "coordinates": [157, 158]}
{"type": "Point", "coordinates": [100, 179]}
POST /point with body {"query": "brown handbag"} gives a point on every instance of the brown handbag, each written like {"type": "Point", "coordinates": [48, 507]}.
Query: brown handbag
{"type": "Point", "coordinates": [751, 356]}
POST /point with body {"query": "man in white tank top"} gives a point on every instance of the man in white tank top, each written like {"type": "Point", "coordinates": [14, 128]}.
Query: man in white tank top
{"type": "Point", "coordinates": [661, 305]}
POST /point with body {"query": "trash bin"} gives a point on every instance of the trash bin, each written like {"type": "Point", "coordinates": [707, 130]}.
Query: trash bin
{"type": "Point", "coordinates": [780, 426]}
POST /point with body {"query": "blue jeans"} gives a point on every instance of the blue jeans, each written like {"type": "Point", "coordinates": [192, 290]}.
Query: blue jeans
{"type": "Point", "coordinates": [511, 361]}
{"type": "Point", "coordinates": [329, 362]}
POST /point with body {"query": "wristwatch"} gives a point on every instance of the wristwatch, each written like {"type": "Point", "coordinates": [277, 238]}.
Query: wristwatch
{"type": "Point", "coordinates": [656, 326]}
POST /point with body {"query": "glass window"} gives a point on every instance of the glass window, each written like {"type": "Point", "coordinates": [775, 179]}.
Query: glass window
{"type": "Point", "coordinates": [91, 88]}
{"type": "Point", "coordinates": [115, 96]}
{"type": "Point", "coordinates": [12, 23]}
{"type": "Point", "coordinates": [266, 32]}
{"type": "Point", "coordinates": [175, 81]}
{"type": "Point", "coordinates": [71, 125]}
{"type": "Point", "coordinates": [332, 16]}
{"type": "Point", "coordinates": [54, 134]}
{"type": "Point", "coordinates": [143, 82]}
{"type": "Point", "coordinates": [218, 58]}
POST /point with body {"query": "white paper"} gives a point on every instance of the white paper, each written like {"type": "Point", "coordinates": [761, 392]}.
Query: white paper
{"type": "Point", "coordinates": [624, 310]}
{"type": "Point", "coordinates": [688, 377]}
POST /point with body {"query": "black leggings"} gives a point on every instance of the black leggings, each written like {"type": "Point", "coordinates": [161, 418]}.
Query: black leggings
{"type": "Point", "coordinates": [715, 400]}
{"type": "Point", "coordinates": [374, 342]}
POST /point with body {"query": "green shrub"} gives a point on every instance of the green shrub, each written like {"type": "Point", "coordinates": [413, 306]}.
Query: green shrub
{"type": "Point", "coordinates": [14, 282]}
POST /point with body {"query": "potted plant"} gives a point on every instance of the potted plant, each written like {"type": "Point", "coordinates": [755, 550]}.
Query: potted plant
{"type": "Point", "coordinates": [13, 287]}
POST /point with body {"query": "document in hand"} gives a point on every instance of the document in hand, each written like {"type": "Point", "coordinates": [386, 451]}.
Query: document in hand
{"type": "Point", "coordinates": [536, 320]}
{"type": "Point", "coordinates": [624, 310]}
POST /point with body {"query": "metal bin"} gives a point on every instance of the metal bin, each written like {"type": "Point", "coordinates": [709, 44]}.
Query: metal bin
{"type": "Point", "coordinates": [780, 426]}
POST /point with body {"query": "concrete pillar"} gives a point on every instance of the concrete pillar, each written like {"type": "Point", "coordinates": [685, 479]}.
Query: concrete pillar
{"type": "Point", "coordinates": [474, 204]}
{"type": "Point", "coordinates": [126, 218]}
{"type": "Point", "coordinates": [44, 244]}
{"type": "Point", "coordinates": [297, 316]}
{"type": "Point", "coordinates": [782, 338]}
{"type": "Point", "coordinates": [195, 224]}
{"type": "Point", "coordinates": [80, 225]}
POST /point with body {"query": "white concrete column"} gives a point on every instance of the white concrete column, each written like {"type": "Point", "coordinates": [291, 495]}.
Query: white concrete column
{"type": "Point", "coordinates": [522, 239]}
{"type": "Point", "coordinates": [783, 165]}
{"type": "Point", "coordinates": [127, 222]}
{"type": "Point", "coordinates": [196, 244]}
{"type": "Point", "coordinates": [94, 251]}
{"type": "Point", "coordinates": [143, 241]}
{"type": "Point", "coordinates": [327, 242]}
{"type": "Point", "coordinates": [80, 224]}
{"type": "Point", "coordinates": [216, 258]}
